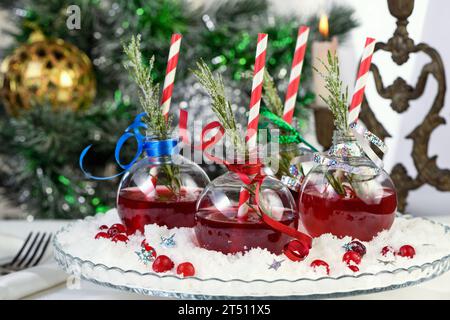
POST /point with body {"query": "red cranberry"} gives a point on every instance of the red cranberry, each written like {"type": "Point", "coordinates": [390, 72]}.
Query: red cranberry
{"type": "Point", "coordinates": [103, 227]}
{"type": "Point", "coordinates": [407, 251]}
{"type": "Point", "coordinates": [116, 228]}
{"type": "Point", "coordinates": [351, 257]}
{"type": "Point", "coordinates": [386, 250]}
{"type": "Point", "coordinates": [320, 263]}
{"type": "Point", "coordinates": [357, 247]}
{"type": "Point", "coordinates": [102, 235]}
{"type": "Point", "coordinates": [120, 237]}
{"type": "Point", "coordinates": [162, 264]}
{"type": "Point", "coordinates": [186, 269]}
{"type": "Point", "coordinates": [353, 268]}
{"type": "Point", "coordinates": [113, 231]}
{"type": "Point", "coordinates": [148, 248]}
{"type": "Point", "coordinates": [295, 250]}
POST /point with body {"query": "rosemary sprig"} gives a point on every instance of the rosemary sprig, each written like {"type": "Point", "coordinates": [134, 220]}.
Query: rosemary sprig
{"type": "Point", "coordinates": [149, 92]}
{"type": "Point", "coordinates": [271, 97]}
{"type": "Point", "coordinates": [337, 100]}
{"type": "Point", "coordinates": [157, 125]}
{"type": "Point", "coordinates": [220, 105]}
{"type": "Point", "coordinates": [273, 102]}
{"type": "Point", "coordinates": [173, 176]}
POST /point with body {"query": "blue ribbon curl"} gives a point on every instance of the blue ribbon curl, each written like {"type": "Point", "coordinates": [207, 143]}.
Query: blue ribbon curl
{"type": "Point", "coordinates": [153, 148]}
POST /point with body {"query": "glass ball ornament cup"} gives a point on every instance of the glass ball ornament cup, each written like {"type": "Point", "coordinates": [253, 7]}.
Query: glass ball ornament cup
{"type": "Point", "coordinates": [218, 226]}
{"type": "Point", "coordinates": [160, 189]}
{"type": "Point", "coordinates": [353, 198]}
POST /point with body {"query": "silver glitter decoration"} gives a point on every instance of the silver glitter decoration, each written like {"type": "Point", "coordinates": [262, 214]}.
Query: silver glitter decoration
{"type": "Point", "coordinates": [145, 256]}
{"type": "Point", "coordinates": [168, 242]}
{"type": "Point", "coordinates": [292, 183]}
{"type": "Point", "coordinates": [275, 264]}
{"type": "Point", "coordinates": [387, 262]}
{"type": "Point", "coordinates": [208, 22]}
{"type": "Point", "coordinates": [198, 102]}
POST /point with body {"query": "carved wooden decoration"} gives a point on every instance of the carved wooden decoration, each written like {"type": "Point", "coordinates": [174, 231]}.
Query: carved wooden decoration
{"type": "Point", "coordinates": [401, 46]}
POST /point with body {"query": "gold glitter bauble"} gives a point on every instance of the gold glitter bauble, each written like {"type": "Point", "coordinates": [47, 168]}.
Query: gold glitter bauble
{"type": "Point", "coordinates": [47, 71]}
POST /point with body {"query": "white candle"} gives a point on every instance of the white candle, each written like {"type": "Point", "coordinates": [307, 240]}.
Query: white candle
{"type": "Point", "coordinates": [319, 53]}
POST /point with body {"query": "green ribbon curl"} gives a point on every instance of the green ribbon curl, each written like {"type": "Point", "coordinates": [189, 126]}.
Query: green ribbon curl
{"type": "Point", "coordinates": [293, 135]}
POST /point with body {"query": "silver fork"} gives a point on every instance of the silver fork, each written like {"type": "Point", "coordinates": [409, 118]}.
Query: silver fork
{"type": "Point", "coordinates": [30, 254]}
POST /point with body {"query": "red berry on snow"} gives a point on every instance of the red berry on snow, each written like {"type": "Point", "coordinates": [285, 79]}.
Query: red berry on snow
{"type": "Point", "coordinates": [351, 256]}
{"type": "Point", "coordinates": [103, 227]}
{"type": "Point", "coordinates": [353, 268]}
{"type": "Point", "coordinates": [406, 251]}
{"type": "Point", "coordinates": [295, 250]}
{"type": "Point", "coordinates": [386, 250]}
{"type": "Point", "coordinates": [102, 235]}
{"type": "Point", "coordinates": [113, 231]}
{"type": "Point", "coordinates": [162, 264]}
{"type": "Point", "coordinates": [186, 269]}
{"type": "Point", "coordinates": [320, 263]}
{"type": "Point", "coordinates": [357, 247]}
{"type": "Point", "coordinates": [120, 237]}
{"type": "Point", "coordinates": [148, 248]}
{"type": "Point", "coordinates": [116, 228]}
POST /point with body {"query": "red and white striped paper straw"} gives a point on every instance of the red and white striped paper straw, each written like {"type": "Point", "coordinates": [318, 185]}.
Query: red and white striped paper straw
{"type": "Point", "coordinates": [244, 197]}
{"type": "Point", "coordinates": [253, 115]}
{"type": "Point", "coordinates": [296, 71]}
{"type": "Point", "coordinates": [361, 81]}
{"type": "Point", "coordinates": [171, 69]}
{"type": "Point", "coordinates": [148, 187]}
{"type": "Point", "coordinates": [182, 126]}
{"type": "Point", "coordinates": [255, 98]}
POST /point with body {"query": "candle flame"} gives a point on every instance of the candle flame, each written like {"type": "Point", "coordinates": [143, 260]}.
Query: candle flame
{"type": "Point", "coordinates": [323, 26]}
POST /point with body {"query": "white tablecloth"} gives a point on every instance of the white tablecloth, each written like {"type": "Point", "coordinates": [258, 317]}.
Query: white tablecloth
{"type": "Point", "coordinates": [438, 288]}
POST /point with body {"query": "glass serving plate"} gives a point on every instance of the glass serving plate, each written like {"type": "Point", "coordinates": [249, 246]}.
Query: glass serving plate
{"type": "Point", "coordinates": [173, 286]}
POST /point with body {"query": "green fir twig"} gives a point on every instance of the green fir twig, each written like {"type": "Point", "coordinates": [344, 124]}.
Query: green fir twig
{"type": "Point", "coordinates": [157, 125]}
{"type": "Point", "coordinates": [338, 97]}
{"type": "Point", "coordinates": [337, 103]}
{"type": "Point", "coordinates": [274, 103]}
{"type": "Point", "coordinates": [271, 96]}
{"type": "Point", "coordinates": [220, 105]}
{"type": "Point", "coordinates": [149, 92]}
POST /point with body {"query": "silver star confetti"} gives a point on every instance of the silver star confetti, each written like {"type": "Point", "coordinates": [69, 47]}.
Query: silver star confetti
{"type": "Point", "coordinates": [275, 264]}
{"type": "Point", "coordinates": [387, 262]}
{"type": "Point", "coordinates": [168, 242]}
{"type": "Point", "coordinates": [145, 256]}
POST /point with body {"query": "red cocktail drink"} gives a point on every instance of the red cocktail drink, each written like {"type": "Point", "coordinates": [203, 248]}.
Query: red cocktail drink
{"type": "Point", "coordinates": [347, 215]}
{"type": "Point", "coordinates": [215, 231]}
{"type": "Point", "coordinates": [164, 208]}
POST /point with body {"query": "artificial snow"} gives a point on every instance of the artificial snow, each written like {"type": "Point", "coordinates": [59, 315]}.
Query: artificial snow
{"type": "Point", "coordinates": [431, 242]}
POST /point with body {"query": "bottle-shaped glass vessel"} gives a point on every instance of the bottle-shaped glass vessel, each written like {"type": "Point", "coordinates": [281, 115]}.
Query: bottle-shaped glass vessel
{"type": "Point", "coordinates": [351, 197]}
{"type": "Point", "coordinates": [221, 228]}
{"type": "Point", "coordinates": [162, 188]}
